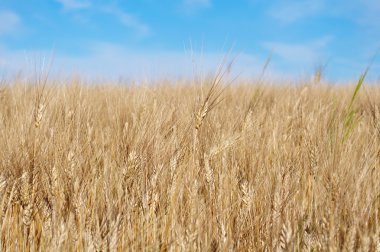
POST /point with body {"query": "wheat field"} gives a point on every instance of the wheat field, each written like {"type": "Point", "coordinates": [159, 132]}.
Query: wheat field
{"type": "Point", "coordinates": [178, 166]}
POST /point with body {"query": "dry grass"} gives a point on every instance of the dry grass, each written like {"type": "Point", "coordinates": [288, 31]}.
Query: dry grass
{"type": "Point", "coordinates": [157, 168]}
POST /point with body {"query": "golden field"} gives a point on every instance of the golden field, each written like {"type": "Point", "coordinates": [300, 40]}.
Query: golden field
{"type": "Point", "coordinates": [189, 167]}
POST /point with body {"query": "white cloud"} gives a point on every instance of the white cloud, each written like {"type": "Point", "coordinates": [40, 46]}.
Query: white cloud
{"type": "Point", "coordinates": [9, 21]}
{"type": "Point", "coordinates": [291, 11]}
{"type": "Point", "coordinates": [74, 4]}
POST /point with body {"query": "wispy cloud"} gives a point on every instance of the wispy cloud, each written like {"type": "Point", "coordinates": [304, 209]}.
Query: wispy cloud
{"type": "Point", "coordinates": [190, 7]}
{"type": "Point", "coordinates": [292, 52]}
{"type": "Point", "coordinates": [112, 60]}
{"type": "Point", "coordinates": [127, 19]}
{"type": "Point", "coordinates": [372, 4]}
{"type": "Point", "coordinates": [291, 11]}
{"type": "Point", "coordinates": [369, 16]}
{"type": "Point", "coordinates": [302, 53]}
{"type": "Point", "coordinates": [131, 21]}
{"type": "Point", "coordinates": [197, 3]}
{"type": "Point", "coordinates": [74, 4]}
{"type": "Point", "coordinates": [9, 22]}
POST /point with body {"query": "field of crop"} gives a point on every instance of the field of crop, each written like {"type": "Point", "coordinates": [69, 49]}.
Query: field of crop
{"type": "Point", "coordinates": [189, 167]}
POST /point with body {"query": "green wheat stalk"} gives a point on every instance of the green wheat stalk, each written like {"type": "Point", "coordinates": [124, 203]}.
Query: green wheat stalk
{"type": "Point", "coordinates": [351, 119]}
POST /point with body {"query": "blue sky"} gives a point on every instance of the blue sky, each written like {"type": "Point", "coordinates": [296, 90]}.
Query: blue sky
{"type": "Point", "coordinates": [151, 38]}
